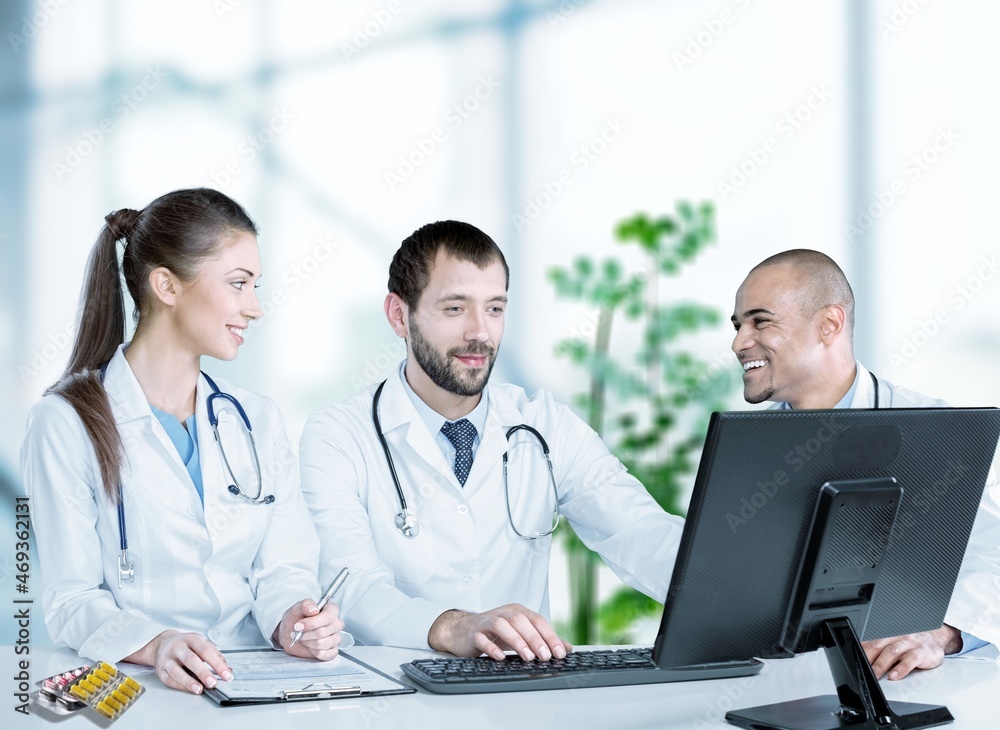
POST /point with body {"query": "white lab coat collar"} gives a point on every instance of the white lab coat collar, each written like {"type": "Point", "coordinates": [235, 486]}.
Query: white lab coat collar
{"type": "Point", "coordinates": [396, 410]}
{"type": "Point", "coordinates": [133, 415]}
{"type": "Point", "coordinates": [864, 394]}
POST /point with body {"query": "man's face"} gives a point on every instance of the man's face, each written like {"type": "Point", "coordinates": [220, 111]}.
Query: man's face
{"type": "Point", "coordinates": [456, 327]}
{"type": "Point", "coordinates": [777, 344]}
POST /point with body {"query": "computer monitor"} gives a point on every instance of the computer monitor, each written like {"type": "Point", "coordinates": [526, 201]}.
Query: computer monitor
{"type": "Point", "coordinates": [883, 501]}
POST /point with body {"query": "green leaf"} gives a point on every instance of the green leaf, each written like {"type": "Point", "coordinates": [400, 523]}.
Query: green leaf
{"type": "Point", "coordinates": [654, 396]}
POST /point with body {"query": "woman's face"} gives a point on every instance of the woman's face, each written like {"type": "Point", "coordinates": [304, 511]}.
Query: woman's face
{"type": "Point", "coordinates": [214, 310]}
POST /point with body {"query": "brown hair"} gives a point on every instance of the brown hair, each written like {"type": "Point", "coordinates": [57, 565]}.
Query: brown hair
{"type": "Point", "coordinates": [178, 231]}
{"type": "Point", "coordinates": [410, 269]}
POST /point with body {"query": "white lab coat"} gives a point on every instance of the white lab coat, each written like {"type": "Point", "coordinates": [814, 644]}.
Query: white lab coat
{"type": "Point", "coordinates": [975, 604]}
{"type": "Point", "coordinates": [228, 571]}
{"type": "Point", "coordinates": [466, 555]}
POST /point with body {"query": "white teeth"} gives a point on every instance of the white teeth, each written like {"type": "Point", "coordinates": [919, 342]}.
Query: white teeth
{"type": "Point", "coordinates": [751, 364]}
{"type": "Point", "coordinates": [234, 330]}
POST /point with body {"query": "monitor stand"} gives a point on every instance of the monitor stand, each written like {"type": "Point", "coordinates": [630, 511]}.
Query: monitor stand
{"type": "Point", "coordinates": [859, 702]}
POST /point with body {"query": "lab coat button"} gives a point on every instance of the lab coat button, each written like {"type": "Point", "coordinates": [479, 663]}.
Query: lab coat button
{"type": "Point", "coordinates": [463, 509]}
{"type": "Point", "coordinates": [466, 580]}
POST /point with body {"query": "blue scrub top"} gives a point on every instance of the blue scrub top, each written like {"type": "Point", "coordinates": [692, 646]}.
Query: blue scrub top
{"type": "Point", "coordinates": [185, 440]}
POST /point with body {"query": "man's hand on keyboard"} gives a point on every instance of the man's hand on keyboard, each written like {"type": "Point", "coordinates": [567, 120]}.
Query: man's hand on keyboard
{"type": "Point", "coordinates": [508, 627]}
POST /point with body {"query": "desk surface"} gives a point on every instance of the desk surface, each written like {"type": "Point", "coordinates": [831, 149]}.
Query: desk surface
{"type": "Point", "coordinates": [968, 687]}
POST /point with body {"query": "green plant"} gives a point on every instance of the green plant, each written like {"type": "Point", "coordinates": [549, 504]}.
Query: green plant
{"type": "Point", "coordinates": [662, 395]}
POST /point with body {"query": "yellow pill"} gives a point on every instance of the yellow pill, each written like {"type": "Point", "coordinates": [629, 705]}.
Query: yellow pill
{"type": "Point", "coordinates": [126, 689]}
{"type": "Point", "coordinates": [104, 709]}
{"type": "Point", "coordinates": [115, 704]}
{"type": "Point", "coordinates": [79, 692]}
{"type": "Point", "coordinates": [95, 680]}
{"type": "Point", "coordinates": [104, 676]}
{"type": "Point", "coordinates": [121, 696]}
{"type": "Point", "coordinates": [91, 688]}
{"type": "Point", "coordinates": [132, 684]}
{"type": "Point", "coordinates": [109, 669]}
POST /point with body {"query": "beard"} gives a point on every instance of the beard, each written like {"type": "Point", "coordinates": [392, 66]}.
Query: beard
{"type": "Point", "coordinates": [760, 393]}
{"type": "Point", "coordinates": [444, 371]}
{"type": "Point", "coordinates": [759, 396]}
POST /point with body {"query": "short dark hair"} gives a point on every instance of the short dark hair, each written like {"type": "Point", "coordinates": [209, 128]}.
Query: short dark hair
{"type": "Point", "coordinates": [821, 281]}
{"type": "Point", "coordinates": [410, 269]}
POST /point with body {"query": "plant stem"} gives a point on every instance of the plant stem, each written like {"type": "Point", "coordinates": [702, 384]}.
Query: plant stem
{"type": "Point", "coordinates": [583, 596]}
{"type": "Point", "coordinates": [598, 386]}
{"type": "Point", "coordinates": [582, 563]}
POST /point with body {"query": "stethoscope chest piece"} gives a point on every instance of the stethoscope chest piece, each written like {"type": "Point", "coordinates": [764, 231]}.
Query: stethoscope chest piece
{"type": "Point", "coordinates": [407, 524]}
{"type": "Point", "coordinates": [126, 568]}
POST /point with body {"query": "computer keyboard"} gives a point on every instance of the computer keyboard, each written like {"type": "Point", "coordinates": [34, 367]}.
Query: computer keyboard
{"type": "Point", "coordinates": [598, 668]}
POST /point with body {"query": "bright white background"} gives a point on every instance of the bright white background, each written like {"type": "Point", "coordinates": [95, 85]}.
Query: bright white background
{"type": "Point", "coordinates": [303, 110]}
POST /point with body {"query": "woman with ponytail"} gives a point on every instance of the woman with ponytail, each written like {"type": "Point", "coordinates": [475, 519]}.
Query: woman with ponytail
{"type": "Point", "coordinates": [126, 429]}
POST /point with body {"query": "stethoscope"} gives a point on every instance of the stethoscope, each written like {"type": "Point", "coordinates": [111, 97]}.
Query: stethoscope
{"type": "Point", "coordinates": [875, 383]}
{"type": "Point", "coordinates": [126, 567]}
{"type": "Point", "coordinates": [406, 523]}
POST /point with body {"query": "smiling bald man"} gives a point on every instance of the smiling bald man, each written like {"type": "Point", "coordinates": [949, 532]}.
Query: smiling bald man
{"type": "Point", "coordinates": [794, 320]}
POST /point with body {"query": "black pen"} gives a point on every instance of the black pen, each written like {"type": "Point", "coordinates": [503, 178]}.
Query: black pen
{"type": "Point", "coordinates": [325, 599]}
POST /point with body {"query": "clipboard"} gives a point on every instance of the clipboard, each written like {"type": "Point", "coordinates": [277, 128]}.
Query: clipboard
{"type": "Point", "coordinates": [265, 676]}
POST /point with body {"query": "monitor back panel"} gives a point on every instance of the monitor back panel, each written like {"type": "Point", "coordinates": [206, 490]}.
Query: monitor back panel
{"type": "Point", "coordinates": [753, 501]}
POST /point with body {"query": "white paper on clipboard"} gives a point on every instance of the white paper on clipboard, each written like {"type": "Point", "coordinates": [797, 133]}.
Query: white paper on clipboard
{"type": "Point", "coordinates": [271, 676]}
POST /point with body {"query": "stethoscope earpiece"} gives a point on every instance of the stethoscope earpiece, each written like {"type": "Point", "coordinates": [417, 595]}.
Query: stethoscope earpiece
{"type": "Point", "coordinates": [235, 491]}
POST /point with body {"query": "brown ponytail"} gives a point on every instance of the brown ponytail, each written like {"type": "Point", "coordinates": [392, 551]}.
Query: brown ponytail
{"type": "Point", "coordinates": [179, 231]}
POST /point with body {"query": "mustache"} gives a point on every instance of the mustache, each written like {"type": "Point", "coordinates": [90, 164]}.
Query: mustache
{"type": "Point", "coordinates": [474, 350]}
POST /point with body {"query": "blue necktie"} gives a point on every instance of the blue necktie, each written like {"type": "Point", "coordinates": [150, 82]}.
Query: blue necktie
{"type": "Point", "coordinates": [461, 434]}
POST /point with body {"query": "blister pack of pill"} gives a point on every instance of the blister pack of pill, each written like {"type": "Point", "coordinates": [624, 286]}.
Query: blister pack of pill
{"type": "Point", "coordinates": [53, 691]}
{"type": "Point", "coordinates": [101, 687]}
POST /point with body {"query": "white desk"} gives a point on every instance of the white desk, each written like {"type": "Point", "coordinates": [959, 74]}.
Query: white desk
{"type": "Point", "coordinates": [970, 689]}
